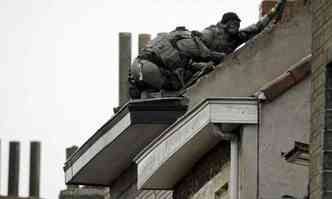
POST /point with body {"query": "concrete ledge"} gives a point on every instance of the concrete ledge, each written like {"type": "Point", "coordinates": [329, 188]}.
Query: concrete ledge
{"type": "Point", "coordinates": [85, 193]}
{"type": "Point", "coordinates": [165, 161]}
{"type": "Point", "coordinates": [112, 148]}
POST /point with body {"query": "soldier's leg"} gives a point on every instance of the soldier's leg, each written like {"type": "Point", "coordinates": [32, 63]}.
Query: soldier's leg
{"type": "Point", "coordinates": [145, 77]}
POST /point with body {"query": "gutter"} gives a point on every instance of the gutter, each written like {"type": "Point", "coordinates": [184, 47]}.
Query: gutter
{"type": "Point", "coordinates": [295, 74]}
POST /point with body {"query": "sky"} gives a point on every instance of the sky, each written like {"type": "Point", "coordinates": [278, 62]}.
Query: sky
{"type": "Point", "coordinates": [59, 69]}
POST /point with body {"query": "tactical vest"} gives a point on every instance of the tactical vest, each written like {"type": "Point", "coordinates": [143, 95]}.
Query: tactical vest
{"type": "Point", "coordinates": [221, 41]}
{"type": "Point", "coordinates": [164, 46]}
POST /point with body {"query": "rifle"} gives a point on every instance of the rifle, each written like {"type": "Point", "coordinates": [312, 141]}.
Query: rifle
{"type": "Point", "coordinates": [207, 68]}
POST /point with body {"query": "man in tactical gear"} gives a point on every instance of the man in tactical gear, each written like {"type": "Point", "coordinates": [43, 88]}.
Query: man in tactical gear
{"type": "Point", "coordinates": [169, 62]}
{"type": "Point", "coordinates": [225, 36]}
{"type": "Point", "coordinates": [173, 61]}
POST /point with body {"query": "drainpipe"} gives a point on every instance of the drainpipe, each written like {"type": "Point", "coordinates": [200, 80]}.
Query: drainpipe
{"type": "Point", "coordinates": [234, 173]}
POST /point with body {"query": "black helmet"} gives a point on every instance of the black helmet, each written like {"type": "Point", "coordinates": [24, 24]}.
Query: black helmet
{"type": "Point", "coordinates": [228, 16]}
{"type": "Point", "coordinates": [181, 28]}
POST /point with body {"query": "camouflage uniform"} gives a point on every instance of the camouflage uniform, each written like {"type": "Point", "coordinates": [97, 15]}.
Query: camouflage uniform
{"type": "Point", "coordinates": [168, 62]}
{"type": "Point", "coordinates": [217, 38]}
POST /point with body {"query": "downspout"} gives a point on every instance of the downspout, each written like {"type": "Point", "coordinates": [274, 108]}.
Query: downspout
{"type": "Point", "coordinates": [234, 170]}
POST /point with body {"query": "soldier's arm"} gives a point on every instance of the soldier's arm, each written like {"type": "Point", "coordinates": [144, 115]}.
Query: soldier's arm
{"type": "Point", "coordinates": [189, 48]}
{"type": "Point", "coordinates": [207, 36]}
{"type": "Point", "coordinates": [196, 49]}
{"type": "Point", "coordinates": [250, 31]}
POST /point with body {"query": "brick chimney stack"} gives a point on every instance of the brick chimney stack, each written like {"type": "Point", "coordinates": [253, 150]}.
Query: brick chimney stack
{"type": "Point", "coordinates": [267, 5]}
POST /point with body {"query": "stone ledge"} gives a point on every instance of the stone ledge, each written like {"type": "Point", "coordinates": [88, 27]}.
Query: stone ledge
{"type": "Point", "coordinates": [112, 148]}
{"type": "Point", "coordinates": [169, 157]}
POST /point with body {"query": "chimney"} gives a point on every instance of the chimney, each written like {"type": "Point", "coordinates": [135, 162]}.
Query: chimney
{"type": "Point", "coordinates": [14, 168]}
{"type": "Point", "coordinates": [124, 64]}
{"type": "Point", "coordinates": [143, 40]}
{"type": "Point", "coordinates": [34, 180]}
{"type": "Point", "coordinates": [289, 10]}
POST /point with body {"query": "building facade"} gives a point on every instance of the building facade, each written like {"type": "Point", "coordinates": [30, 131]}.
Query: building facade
{"type": "Point", "coordinates": [320, 141]}
{"type": "Point", "coordinates": [243, 134]}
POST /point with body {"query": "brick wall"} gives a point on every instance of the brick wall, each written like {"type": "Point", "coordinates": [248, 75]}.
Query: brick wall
{"type": "Point", "coordinates": [125, 187]}
{"type": "Point", "coordinates": [205, 169]}
{"type": "Point", "coordinates": [321, 115]}
{"type": "Point", "coordinates": [289, 11]}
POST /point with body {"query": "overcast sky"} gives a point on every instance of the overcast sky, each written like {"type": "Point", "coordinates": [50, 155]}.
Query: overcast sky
{"type": "Point", "coordinates": [59, 65]}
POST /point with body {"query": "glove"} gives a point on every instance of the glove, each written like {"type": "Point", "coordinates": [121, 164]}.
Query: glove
{"type": "Point", "coordinates": [217, 57]}
{"type": "Point", "coordinates": [196, 33]}
{"type": "Point", "coordinates": [210, 67]}
{"type": "Point", "coordinates": [278, 8]}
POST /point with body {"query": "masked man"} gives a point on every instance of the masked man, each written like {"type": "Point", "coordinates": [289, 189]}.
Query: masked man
{"type": "Point", "coordinates": [168, 63]}
{"type": "Point", "coordinates": [226, 36]}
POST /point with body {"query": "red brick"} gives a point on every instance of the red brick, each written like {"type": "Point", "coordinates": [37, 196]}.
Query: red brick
{"type": "Point", "coordinates": [267, 5]}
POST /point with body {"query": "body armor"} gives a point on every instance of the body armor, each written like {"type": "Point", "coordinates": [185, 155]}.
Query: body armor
{"type": "Point", "coordinates": [216, 37]}
{"type": "Point", "coordinates": [160, 65]}
{"type": "Point", "coordinates": [170, 61]}
{"type": "Point", "coordinates": [219, 40]}
{"type": "Point", "coordinates": [165, 47]}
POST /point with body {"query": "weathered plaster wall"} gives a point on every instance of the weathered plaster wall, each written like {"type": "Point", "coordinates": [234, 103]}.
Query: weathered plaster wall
{"type": "Point", "coordinates": [259, 61]}
{"type": "Point", "coordinates": [283, 121]}
{"type": "Point", "coordinates": [207, 176]}
{"type": "Point", "coordinates": [242, 74]}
